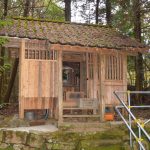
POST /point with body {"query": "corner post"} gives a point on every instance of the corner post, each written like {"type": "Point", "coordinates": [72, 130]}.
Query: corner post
{"type": "Point", "coordinates": [21, 58]}
{"type": "Point", "coordinates": [102, 87]}
{"type": "Point", "coordinates": [60, 88]}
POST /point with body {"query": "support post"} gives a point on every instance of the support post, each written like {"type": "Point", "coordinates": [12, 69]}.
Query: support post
{"type": "Point", "coordinates": [21, 58]}
{"type": "Point", "coordinates": [60, 88]}
{"type": "Point", "coordinates": [102, 87]}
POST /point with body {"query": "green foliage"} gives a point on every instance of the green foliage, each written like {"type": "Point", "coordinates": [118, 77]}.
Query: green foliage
{"type": "Point", "coordinates": [3, 40]}
{"type": "Point", "coordinates": [53, 11]}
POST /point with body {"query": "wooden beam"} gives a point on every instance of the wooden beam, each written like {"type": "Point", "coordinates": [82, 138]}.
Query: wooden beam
{"type": "Point", "coordinates": [15, 42]}
{"type": "Point", "coordinates": [60, 89]}
{"type": "Point", "coordinates": [102, 88]}
{"type": "Point", "coordinates": [21, 56]}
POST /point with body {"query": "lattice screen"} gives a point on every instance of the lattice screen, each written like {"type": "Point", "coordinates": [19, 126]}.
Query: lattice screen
{"type": "Point", "coordinates": [114, 67]}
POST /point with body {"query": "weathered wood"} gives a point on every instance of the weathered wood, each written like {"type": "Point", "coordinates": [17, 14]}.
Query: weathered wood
{"type": "Point", "coordinates": [79, 116]}
{"type": "Point", "coordinates": [40, 82]}
{"type": "Point", "coordinates": [21, 56]}
{"type": "Point", "coordinates": [102, 87]}
{"type": "Point", "coordinates": [60, 88]}
{"type": "Point", "coordinates": [37, 80]}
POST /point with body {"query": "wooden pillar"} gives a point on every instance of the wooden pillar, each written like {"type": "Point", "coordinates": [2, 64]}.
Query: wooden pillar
{"type": "Point", "coordinates": [124, 74]}
{"type": "Point", "coordinates": [124, 70]}
{"type": "Point", "coordinates": [102, 87]}
{"type": "Point", "coordinates": [21, 58]}
{"type": "Point", "coordinates": [95, 72]}
{"type": "Point", "coordinates": [87, 76]}
{"type": "Point", "coordinates": [60, 88]}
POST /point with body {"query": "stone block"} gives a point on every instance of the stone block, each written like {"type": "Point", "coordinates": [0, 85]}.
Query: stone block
{"type": "Point", "coordinates": [18, 146]}
{"type": "Point", "coordinates": [29, 148]}
{"type": "Point", "coordinates": [49, 146]}
{"type": "Point", "coordinates": [35, 140]}
{"type": "Point", "coordinates": [3, 145]}
{"type": "Point", "coordinates": [1, 136]}
{"type": "Point", "coordinates": [15, 137]}
{"type": "Point", "coordinates": [63, 146]}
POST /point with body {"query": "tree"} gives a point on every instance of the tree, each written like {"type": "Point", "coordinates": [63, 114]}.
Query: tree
{"type": "Point", "coordinates": [97, 11]}
{"type": "Point", "coordinates": [108, 12]}
{"type": "Point", "coordinates": [137, 34]}
{"type": "Point", "coordinates": [67, 10]}
{"type": "Point", "coordinates": [2, 49]}
{"type": "Point", "coordinates": [26, 8]}
{"type": "Point", "coordinates": [16, 61]}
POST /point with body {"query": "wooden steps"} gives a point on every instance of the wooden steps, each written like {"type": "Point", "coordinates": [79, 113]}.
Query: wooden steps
{"type": "Point", "coordinates": [37, 122]}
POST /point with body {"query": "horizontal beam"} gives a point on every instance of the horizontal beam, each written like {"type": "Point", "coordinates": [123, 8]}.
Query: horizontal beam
{"type": "Point", "coordinates": [15, 42]}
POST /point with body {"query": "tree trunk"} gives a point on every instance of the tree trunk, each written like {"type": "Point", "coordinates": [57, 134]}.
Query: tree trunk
{"type": "Point", "coordinates": [5, 8]}
{"type": "Point", "coordinates": [137, 35]}
{"type": "Point", "coordinates": [2, 50]}
{"type": "Point", "coordinates": [32, 9]}
{"type": "Point", "coordinates": [26, 8]}
{"type": "Point", "coordinates": [12, 80]}
{"type": "Point", "coordinates": [67, 10]}
{"type": "Point", "coordinates": [2, 74]}
{"type": "Point", "coordinates": [16, 62]}
{"type": "Point", "coordinates": [97, 11]}
{"type": "Point", "coordinates": [108, 12]}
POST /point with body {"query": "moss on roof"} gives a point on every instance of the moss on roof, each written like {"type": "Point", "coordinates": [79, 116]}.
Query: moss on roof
{"type": "Point", "coordinates": [69, 33]}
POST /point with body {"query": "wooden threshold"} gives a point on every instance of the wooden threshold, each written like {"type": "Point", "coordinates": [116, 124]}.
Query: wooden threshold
{"type": "Point", "coordinates": [80, 116]}
{"type": "Point", "coordinates": [79, 108]}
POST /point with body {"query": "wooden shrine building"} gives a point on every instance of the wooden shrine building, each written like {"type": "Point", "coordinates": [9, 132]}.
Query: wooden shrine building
{"type": "Point", "coordinates": [69, 68]}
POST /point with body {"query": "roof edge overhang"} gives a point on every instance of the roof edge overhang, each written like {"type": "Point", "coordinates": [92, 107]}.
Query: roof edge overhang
{"type": "Point", "coordinates": [15, 42]}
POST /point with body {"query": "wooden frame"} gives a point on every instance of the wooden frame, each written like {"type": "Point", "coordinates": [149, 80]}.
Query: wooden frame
{"type": "Point", "coordinates": [50, 90]}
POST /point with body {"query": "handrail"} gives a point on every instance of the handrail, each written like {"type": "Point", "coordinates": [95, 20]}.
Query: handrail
{"type": "Point", "coordinates": [138, 122]}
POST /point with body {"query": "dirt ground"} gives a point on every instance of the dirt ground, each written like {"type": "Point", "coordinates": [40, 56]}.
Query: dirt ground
{"type": "Point", "coordinates": [12, 109]}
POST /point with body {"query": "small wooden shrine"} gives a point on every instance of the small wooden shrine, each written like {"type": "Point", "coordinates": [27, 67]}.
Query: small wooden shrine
{"type": "Point", "coordinates": [70, 69]}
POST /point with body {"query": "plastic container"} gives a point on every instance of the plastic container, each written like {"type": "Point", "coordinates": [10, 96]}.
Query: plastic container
{"type": "Point", "coordinates": [109, 116]}
{"type": "Point", "coordinates": [30, 115]}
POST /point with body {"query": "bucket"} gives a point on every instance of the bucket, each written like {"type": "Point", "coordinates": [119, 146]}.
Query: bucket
{"type": "Point", "coordinates": [30, 115]}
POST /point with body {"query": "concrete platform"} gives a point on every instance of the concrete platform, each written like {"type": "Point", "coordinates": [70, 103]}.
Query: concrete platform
{"type": "Point", "coordinates": [41, 128]}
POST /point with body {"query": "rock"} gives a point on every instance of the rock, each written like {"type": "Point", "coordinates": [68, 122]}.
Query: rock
{"type": "Point", "coordinates": [28, 148]}
{"type": "Point", "coordinates": [49, 146]}
{"type": "Point", "coordinates": [1, 136]}
{"type": "Point", "coordinates": [126, 138]}
{"type": "Point", "coordinates": [126, 146]}
{"type": "Point", "coordinates": [35, 140]}
{"type": "Point", "coordinates": [16, 137]}
{"type": "Point", "coordinates": [63, 146]}
{"type": "Point", "coordinates": [1, 117]}
{"type": "Point", "coordinates": [17, 147]}
{"type": "Point", "coordinates": [3, 145]}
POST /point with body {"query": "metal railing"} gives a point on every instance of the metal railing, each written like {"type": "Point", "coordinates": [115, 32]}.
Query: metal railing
{"type": "Point", "coordinates": [131, 118]}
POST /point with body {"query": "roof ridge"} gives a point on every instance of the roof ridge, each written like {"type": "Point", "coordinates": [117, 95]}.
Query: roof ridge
{"type": "Point", "coordinates": [58, 21]}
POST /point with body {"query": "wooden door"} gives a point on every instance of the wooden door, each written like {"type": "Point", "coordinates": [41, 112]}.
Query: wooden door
{"type": "Point", "coordinates": [93, 74]}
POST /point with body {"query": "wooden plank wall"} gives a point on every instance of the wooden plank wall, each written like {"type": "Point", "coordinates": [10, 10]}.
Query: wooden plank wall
{"type": "Point", "coordinates": [38, 80]}
{"type": "Point", "coordinates": [115, 77]}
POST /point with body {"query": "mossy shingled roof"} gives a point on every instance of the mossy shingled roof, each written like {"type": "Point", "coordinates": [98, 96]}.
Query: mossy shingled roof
{"type": "Point", "coordinates": [69, 33]}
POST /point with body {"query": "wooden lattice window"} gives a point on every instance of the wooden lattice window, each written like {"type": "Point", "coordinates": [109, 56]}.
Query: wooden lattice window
{"type": "Point", "coordinates": [114, 67]}
{"type": "Point", "coordinates": [41, 54]}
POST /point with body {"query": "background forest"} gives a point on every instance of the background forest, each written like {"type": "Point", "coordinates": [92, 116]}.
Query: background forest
{"type": "Point", "coordinates": [130, 17]}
